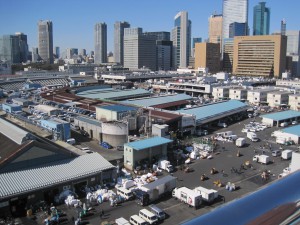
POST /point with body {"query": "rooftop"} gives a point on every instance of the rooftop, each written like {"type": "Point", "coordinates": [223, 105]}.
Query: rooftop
{"type": "Point", "coordinates": [292, 130]}
{"type": "Point", "coordinates": [148, 143]}
{"type": "Point", "coordinates": [117, 108]}
{"type": "Point", "coordinates": [89, 120]}
{"type": "Point", "coordinates": [113, 94]}
{"type": "Point", "coordinates": [212, 110]}
{"type": "Point", "coordinates": [282, 115]}
{"type": "Point", "coordinates": [152, 101]}
{"type": "Point", "coordinates": [26, 180]}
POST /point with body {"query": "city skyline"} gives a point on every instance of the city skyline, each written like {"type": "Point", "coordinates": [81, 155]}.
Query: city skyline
{"type": "Point", "coordinates": [75, 29]}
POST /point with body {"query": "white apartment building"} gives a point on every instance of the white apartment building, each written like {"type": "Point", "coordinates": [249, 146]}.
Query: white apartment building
{"type": "Point", "coordinates": [220, 92]}
{"type": "Point", "coordinates": [238, 93]}
{"type": "Point", "coordinates": [258, 96]}
{"type": "Point", "coordinates": [278, 98]}
{"type": "Point", "coordinates": [294, 102]}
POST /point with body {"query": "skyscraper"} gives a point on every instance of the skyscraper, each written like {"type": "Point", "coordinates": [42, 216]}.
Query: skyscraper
{"type": "Point", "coordinates": [45, 37]}
{"type": "Point", "coordinates": [56, 51]}
{"type": "Point", "coordinates": [234, 11]}
{"type": "Point", "coordinates": [181, 37]}
{"type": "Point", "coordinates": [195, 40]}
{"type": "Point", "coordinates": [119, 41]}
{"type": "Point", "coordinates": [10, 49]}
{"type": "Point", "coordinates": [100, 43]}
{"type": "Point", "coordinates": [261, 19]}
{"type": "Point", "coordinates": [139, 49]}
{"type": "Point", "coordinates": [237, 29]}
{"type": "Point", "coordinates": [283, 27]}
{"type": "Point", "coordinates": [23, 46]}
{"type": "Point", "coordinates": [293, 50]}
{"type": "Point", "coordinates": [215, 28]}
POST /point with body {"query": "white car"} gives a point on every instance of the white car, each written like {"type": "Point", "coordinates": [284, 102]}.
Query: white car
{"type": "Point", "coordinates": [294, 122]}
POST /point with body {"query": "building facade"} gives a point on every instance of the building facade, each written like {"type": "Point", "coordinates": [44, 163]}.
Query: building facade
{"type": "Point", "coordinates": [100, 34]}
{"type": "Point", "coordinates": [207, 55]}
{"type": "Point", "coordinates": [119, 41]}
{"type": "Point", "coordinates": [215, 28]}
{"type": "Point", "coordinates": [23, 46]}
{"type": "Point", "coordinates": [278, 98]}
{"type": "Point", "coordinates": [45, 37]}
{"type": "Point", "coordinates": [9, 49]}
{"type": "Point", "coordinates": [238, 93]}
{"type": "Point", "coordinates": [228, 54]}
{"type": "Point", "coordinates": [294, 102]}
{"type": "Point", "coordinates": [139, 49]}
{"type": "Point", "coordinates": [293, 50]}
{"type": "Point", "coordinates": [237, 29]}
{"type": "Point", "coordinates": [261, 19]}
{"type": "Point", "coordinates": [181, 37]}
{"type": "Point", "coordinates": [263, 55]}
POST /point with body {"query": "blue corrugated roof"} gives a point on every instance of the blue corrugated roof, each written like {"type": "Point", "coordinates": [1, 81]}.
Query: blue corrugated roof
{"type": "Point", "coordinates": [148, 143]}
{"type": "Point", "coordinates": [145, 102]}
{"type": "Point", "coordinates": [209, 111]}
{"type": "Point", "coordinates": [282, 115]}
{"type": "Point", "coordinates": [110, 93]}
{"type": "Point", "coordinates": [117, 108]}
{"type": "Point", "coordinates": [292, 130]}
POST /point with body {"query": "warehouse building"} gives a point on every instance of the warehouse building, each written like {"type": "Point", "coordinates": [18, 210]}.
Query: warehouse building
{"type": "Point", "coordinates": [22, 102]}
{"type": "Point", "coordinates": [258, 96]}
{"type": "Point", "coordinates": [281, 118]}
{"type": "Point", "coordinates": [11, 108]}
{"type": "Point", "coordinates": [144, 151]}
{"type": "Point", "coordinates": [60, 129]}
{"type": "Point", "coordinates": [50, 110]}
{"type": "Point", "coordinates": [290, 134]}
{"type": "Point", "coordinates": [114, 112]}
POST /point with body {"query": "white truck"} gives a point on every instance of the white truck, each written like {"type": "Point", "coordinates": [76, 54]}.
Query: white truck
{"type": "Point", "coordinates": [252, 136]}
{"type": "Point", "coordinates": [122, 221]}
{"type": "Point", "coordinates": [263, 159]}
{"type": "Point", "coordinates": [208, 195]}
{"type": "Point", "coordinates": [240, 142]}
{"type": "Point", "coordinates": [286, 154]}
{"type": "Point", "coordinates": [187, 196]}
{"type": "Point", "coordinates": [165, 165]}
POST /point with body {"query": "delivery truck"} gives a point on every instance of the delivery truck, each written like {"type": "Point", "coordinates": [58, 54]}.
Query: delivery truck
{"type": "Point", "coordinates": [286, 154]}
{"type": "Point", "coordinates": [252, 136]}
{"type": "Point", "coordinates": [263, 159]}
{"type": "Point", "coordinates": [165, 165]}
{"type": "Point", "coordinates": [208, 195]}
{"type": "Point", "coordinates": [188, 196]}
{"type": "Point", "coordinates": [154, 190]}
{"type": "Point", "coordinates": [240, 142]}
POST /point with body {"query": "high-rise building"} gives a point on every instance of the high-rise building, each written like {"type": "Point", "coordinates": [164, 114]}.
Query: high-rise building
{"type": "Point", "coordinates": [293, 50]}
{"type": "Point", "coordinates": [228, 54]}
{"type": "Point", "coordinates": [82, 52]}
{"type": "Point", "coordinates": [23, 46]}
{"type": "Point", "coordinates": [56, 51]}
{"type": "Point", "coordinates": [119, 41]}
{"type": "Point", "coordinates": [100, 43]}
{"type": "Point", "coordinates": [10, 49]}
{"type": "Point", "coordinates": [207, 55]}
{"type": "Point", "coordinates": [234, 11]}
{"type": "Point", "coordinates": [261, 19]}
{"type": "Point", "coordinates": [45, 37]}
{"type": "Point", "coordinates": [139, 49]}
{"type": "Point", "coordinates": [215, 28]}
{"type": "Point", "coordinates": [283, 27]}
{"type": "Point", "coordinates": [70, 52]}
{"type": "Point", "coordinates": [261, 55]}
{"type": "Point", "coordinates": [195, 40]}
{"type": "Point", "coordinates": [238, 29]}
{"type": "Point", "coordinates": [35, 55]}
{"type": "Point", "coordinates": [163, 49]}
{"type": "Point", "coordinates": [181, 37]}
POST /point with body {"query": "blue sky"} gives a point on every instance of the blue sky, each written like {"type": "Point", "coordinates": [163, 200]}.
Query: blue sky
{"type": "Point", "coordinates": [73, 20]}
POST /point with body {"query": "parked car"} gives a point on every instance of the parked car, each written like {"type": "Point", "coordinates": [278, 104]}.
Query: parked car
{"type": "Point", "coordinates": [84, 133]}
{"type": "Point", "coordinates": [106, 145]}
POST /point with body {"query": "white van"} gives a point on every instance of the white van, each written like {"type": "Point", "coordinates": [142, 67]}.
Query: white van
{"type": "Point", "coordinates": [136, 220]}
{"type": "Point", "coordinates": [157, 212]}
{"type": "Point", "coordinates": [125, 193]}
{"type": "Point", "coordinates": [148, 216]}
{"type": "Point", "coordinates": [122, 221]}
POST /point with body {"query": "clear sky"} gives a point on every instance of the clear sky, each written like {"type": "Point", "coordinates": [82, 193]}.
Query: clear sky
{"type": "Point", "coordinates": [74, 20]}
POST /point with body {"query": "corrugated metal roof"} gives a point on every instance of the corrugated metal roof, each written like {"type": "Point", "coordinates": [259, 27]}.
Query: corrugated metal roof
{"type": "Point", "coordinates": [292, 130]}
{"type": "Point", "coordinates": [88, 120]}
{"type": "Point", "coordinates": [110, 93]}
{"type": "Point", "coordinates": [282, 115]}
{"type": "Point", "coordinates": [148, 143]}
{"type": "Point", "coordinates": [13, 132]}
{"type": "Point", "coordinates": [146, 102]}
{"type": "Point", "coordinates": [117, 108]}
{"type": "Point", "coordinates": [159, 182]}
{"type": "Point", "coordinates": [209, 111]}
{"type": "Point", "coordinates": [18, 182]}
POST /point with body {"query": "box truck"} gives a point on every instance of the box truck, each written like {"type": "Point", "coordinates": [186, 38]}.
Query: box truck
{"type": "Point", "coordinates": [252, 136]}
{"type": "Point", "coordinates": [263, 159]}
{"type": "Point", "coordinates": [240, 142]}
{"type": "Point", "coordinates": [286, 154]}
{"type": "Point", "coordinates": [165, 165]}
{"type": "Point", "coordinates": [187, 196]}
{"type": "Point", "coordinates": [208, 195]}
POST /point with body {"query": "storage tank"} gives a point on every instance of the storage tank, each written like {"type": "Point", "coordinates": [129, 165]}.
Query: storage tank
{"type": "Point", "coordinates": [115, 133]}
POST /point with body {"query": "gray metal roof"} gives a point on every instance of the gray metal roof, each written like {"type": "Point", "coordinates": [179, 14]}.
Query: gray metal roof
{"type": "Point", "coordinates": [19, 182]}
{"type": "Point", "coordinates": [89, 120]}
{"type": "Point", "coordinates": [13, 132]}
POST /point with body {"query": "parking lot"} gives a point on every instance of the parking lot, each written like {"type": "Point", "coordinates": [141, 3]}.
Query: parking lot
{"type": "Point", "coordinates": [224, 159]}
